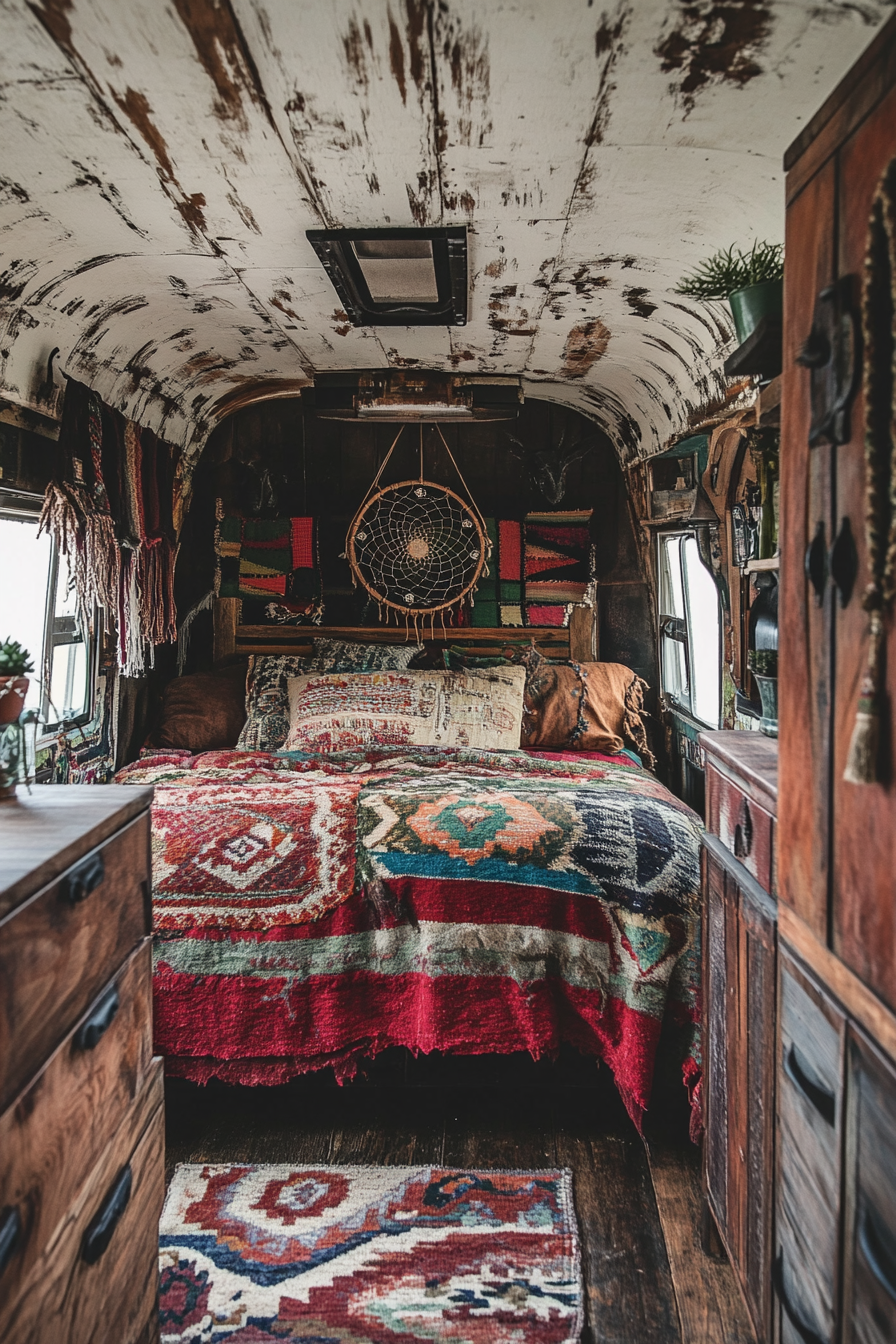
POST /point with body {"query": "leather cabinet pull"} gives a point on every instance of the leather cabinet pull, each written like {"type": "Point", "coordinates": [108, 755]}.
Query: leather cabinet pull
{"type": "Point", "coordinates": [10, 1233]}
{"type": "Point", "coordinates": [816, 563]}
{"type": "Point", "coordinates": [100, 1020]}
{"type": "Point", "coordinates": [83, 879]}
{"type": "Point", "coordinates": [824, 1102]}
{"type": "Point", "coordinates": [103, 1225]}
{"type": "Point", "coordinates": [743, 832]}
{"type": "Point", "coordinates": [844, 562]}
{"type": "Point", "coordinates": [807, 1335]}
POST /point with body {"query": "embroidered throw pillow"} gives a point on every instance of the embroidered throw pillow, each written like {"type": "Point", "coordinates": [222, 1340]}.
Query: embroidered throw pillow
{"type": "Point", "coordinates": [267, 691]}
{"type": "Point", "coordinates": [267, 701]}
{"type": "Point", "coordinates": [343, 711]}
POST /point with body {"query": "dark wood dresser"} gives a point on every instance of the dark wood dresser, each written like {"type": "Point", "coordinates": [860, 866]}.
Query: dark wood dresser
{"type": "Point", "coordinates": [740, 938]}
{"type": "Point", "coordinates": [81, 1116]}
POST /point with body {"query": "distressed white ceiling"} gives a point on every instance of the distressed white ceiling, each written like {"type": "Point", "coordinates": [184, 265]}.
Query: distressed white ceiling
{"type": "Point", "coordinates": [160, 163]}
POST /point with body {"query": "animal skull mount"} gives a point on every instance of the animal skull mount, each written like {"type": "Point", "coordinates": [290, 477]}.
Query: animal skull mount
{"type": "Point", "coordinates": [547, 466]}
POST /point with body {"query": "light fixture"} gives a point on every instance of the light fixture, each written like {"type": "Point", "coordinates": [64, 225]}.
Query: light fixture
{"type": "Point", "coordinates": [397, 277]}
{"type": "Point", "coordinates": [413, 394]}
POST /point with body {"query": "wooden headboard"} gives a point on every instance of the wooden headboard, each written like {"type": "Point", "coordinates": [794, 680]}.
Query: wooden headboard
{"type": "Point", "coordinates": [578, 641]}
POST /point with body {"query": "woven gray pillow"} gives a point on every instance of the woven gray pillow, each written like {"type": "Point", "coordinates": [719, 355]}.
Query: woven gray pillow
{"type": "Point", "coordinates": [345, 655]}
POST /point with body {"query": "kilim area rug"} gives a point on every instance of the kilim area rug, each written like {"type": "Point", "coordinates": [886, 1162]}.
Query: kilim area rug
{"type": "Point", "coordinates": [369, 1255]}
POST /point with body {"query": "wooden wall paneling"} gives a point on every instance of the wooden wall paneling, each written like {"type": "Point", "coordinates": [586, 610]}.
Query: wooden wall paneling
{"type": "Point", "coordinates": [805, 626]}
{"type": "Point", "coordinates": [864, 856]}
{"type": "Point", "coordinates": [325, 467]}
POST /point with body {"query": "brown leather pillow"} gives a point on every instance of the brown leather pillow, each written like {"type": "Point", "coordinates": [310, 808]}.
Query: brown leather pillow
{"type": "Point", "coordinates": [204, 712]}
{"type": "Point", "coordinates": [583, 706]}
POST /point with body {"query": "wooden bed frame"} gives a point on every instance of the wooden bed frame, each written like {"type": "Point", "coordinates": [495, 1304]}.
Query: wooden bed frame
{"type": "Point", "coordinates": [232, 639]}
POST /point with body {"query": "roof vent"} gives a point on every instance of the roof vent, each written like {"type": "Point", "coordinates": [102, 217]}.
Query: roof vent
{"type": "Point", "coordinates": [397, 277]}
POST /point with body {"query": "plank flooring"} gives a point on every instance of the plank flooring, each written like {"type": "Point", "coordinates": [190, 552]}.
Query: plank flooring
{"type": "Point", "coordinates": [647, 1279]}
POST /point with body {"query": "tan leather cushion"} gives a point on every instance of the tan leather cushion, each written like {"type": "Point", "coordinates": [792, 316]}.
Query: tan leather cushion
{"type": "Point", "coordinates": [556, 715]}
{"type": "Point", "coordinates": [204, 712]}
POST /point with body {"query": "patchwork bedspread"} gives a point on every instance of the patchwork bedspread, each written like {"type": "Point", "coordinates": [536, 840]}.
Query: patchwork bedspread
{"type": "Point", "coordinates": [313, 910]}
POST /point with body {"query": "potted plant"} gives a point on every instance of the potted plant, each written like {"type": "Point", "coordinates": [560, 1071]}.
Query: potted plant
{"type": "Point", "coordinates": [752, 282]}
{"type": "Point", "coordinates": [14, 663]}
{"type": "Point", "coordinates": [763, 663]}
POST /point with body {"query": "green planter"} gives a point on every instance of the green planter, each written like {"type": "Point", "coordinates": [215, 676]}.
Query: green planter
{"type": "Point", "coordinates": [768, 694]}
{"type": "Point", "coordinates": [750, 305]}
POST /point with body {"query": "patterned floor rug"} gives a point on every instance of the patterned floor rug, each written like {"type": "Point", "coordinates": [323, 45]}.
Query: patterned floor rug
{"type": "Point", "coordinates": [369, 1255]}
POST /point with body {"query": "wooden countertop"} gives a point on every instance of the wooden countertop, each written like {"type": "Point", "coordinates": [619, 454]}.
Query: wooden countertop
{"type": "Point", "coordinates": [749, 758]}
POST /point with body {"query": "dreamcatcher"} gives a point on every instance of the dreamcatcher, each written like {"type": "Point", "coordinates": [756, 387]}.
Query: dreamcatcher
{"type": "Point", "coordinates": [417, 547]}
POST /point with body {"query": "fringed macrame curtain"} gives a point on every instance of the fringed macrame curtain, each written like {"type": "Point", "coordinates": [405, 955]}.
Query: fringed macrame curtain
{"type": "Point", "coordinates": [879, 389]}
{"type": "Point", "coordinates": [111, 513]}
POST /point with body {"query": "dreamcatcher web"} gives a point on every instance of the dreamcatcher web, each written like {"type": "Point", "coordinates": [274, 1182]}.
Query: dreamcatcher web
{"type": "Point", "coordinates": [416, 546]}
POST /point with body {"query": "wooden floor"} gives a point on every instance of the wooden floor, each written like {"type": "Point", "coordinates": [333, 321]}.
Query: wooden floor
{"type": "Point", "coordinates": [647, 1279]}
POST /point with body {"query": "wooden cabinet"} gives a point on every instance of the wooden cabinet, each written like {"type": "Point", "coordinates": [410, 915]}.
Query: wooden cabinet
{"type": "Point", "coordinates": [870, 1222]}
{"type": "Point", "coordinates": [809, 1149]}
{"type": "Point", "coordinates": [81, 1117]}
{"type": "Point", "coordinates": [839, 837]}
{"type": "Point", "coordinates": [835, 1240]}
{"type": "Point", "coordinates": [739, 996]}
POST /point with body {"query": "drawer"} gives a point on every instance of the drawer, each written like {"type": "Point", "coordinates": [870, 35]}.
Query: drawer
{"type": "Point", "coordinates": [744, 828]}
{"type": "Point", "coordinates": [870, 1226]}
{"type": "Point", "coordinates": [810, 1126]}
{"type": "Point", "coordinates": [54, 1134]}
{"type": "Point", "coordinates": [60, 947]}
{"type": "Point", "coordinates": [108, 1297]}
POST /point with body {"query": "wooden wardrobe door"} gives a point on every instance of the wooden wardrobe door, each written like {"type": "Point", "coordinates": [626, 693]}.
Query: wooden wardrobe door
{"type": "Point", "coordinates": [804, 624]}
{"type": "Point", "coordinates": [864, 819]}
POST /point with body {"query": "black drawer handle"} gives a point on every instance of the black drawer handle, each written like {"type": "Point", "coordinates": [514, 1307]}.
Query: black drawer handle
{"type": "Point", "coordinates": [807, 1335]}
{"type": "Point", "coordinates": [82, 880]}
{"type": "Point", "coordinates": [824, 1102]}
{"type": "Point", "coordinates": [10, 1230]}
{"type": "Point", "coordinates": [879, 1259]}
{"type": "Point", "coordinates": [99, 1233]}
{"type": "Point", "coordinates": [100, 1020]}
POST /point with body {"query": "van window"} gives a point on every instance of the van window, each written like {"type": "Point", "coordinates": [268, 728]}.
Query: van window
{"type": "Point", "coordinates": [38, 609]}
{"type": "Point", "coordinates": [690, 629]}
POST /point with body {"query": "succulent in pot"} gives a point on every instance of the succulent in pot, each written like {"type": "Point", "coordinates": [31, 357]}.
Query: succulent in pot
{"type": "Point", "coordinates": [763, 663]}
{"type": "Point", "coordinates": [752, 282]}
{"type": "Point", "coordinates": [15, 662]}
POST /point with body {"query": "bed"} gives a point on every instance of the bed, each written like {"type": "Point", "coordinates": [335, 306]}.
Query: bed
{"type": "Point", "coordinates": [313, 909]}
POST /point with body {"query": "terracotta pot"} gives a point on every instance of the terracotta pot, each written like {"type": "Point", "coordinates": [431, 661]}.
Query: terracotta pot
{"type": "Point", "coordinates": [12, 697]}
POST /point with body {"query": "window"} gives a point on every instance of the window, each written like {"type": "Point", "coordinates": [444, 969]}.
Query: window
{"type": "Point", "coordinates": [37, 608]}
{"type": "Point", "coordinates": [690, 629]}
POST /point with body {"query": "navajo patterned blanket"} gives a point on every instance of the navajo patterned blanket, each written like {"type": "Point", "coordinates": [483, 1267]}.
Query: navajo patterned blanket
{"type": "Point", "coordinates": [311, 910]}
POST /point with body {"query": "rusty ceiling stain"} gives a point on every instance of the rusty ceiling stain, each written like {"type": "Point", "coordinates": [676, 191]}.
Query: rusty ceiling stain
{"type": "Point", "coordinates": [585, 343]}
{"type": "Point", "coordinates": [162, 163]}
{"type": "Point", "coordinates": [715, 42]}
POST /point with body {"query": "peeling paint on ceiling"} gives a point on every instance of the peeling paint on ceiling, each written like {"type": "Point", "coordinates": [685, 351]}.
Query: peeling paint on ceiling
{"type": "Point", "coordinates": [161, 164]}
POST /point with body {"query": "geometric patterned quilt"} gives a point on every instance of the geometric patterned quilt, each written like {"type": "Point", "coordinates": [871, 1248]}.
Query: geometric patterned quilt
{"type": "Point", "coordinates": [311, 910]}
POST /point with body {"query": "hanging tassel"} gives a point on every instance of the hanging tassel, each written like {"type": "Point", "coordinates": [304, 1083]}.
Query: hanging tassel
{"type": "Point", "coordinates": [864, 746]}
{"type": "Point", "coordinates": [205, 603]}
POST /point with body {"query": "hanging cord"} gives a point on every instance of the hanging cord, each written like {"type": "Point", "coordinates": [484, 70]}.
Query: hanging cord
{"type": "Point", "coordinates": [372, 490]}
{"type": "Point", "coordinates": [473, 504]}
{"type": "Point", "coordinates": [879, 389]}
